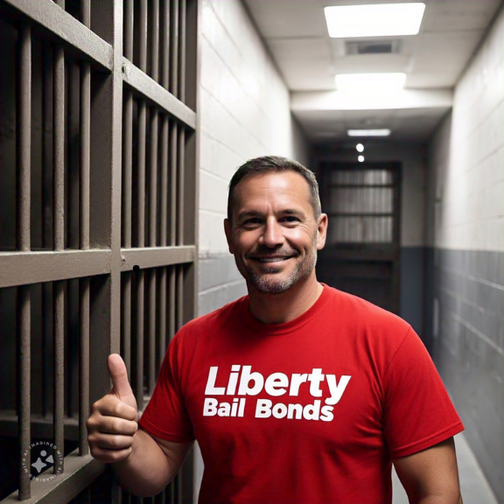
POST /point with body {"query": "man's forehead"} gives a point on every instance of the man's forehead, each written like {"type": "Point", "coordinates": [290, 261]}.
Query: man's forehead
{"type": "Point", "coordinates": [287, 180]}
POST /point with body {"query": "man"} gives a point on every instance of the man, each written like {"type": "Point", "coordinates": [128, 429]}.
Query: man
{"type": "Point", "coordinates": [296, 393]}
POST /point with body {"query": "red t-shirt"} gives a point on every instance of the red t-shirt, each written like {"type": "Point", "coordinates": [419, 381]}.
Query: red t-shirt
{"type": "Point", "coordinates": [310, 411]}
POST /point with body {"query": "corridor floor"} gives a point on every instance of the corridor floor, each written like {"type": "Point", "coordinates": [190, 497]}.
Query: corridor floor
{"type": "Point", "coordinates": [475, 488]}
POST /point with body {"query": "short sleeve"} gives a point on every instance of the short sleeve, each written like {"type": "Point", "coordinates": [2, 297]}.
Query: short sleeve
{"type": "Point", "coordinates": [418, 412]}
{"type": "Point", "coordinates": [165, 416]}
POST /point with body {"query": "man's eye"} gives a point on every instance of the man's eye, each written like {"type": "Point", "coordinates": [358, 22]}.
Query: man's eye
{"type": "Point", "coordinates": [253, 221]}
{"type": "Point", "coordinates": [290, 218]}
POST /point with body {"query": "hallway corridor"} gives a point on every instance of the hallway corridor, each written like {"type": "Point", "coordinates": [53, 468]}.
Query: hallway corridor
{"type": "Point", "coordinates": [121, 125]}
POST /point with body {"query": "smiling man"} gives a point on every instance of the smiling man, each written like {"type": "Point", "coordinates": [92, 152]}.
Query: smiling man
{"type": "Point", "coordinates": [296, 393]}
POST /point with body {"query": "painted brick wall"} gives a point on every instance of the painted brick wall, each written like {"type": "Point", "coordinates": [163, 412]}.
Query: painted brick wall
{"type": "Point", "coordinates": [244, 113]}
{"type": "Point", "coordinates": [466, 235]}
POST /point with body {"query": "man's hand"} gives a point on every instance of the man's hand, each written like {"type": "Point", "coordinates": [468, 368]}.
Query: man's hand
{"type": "Point", "coordinates": [113, 422]}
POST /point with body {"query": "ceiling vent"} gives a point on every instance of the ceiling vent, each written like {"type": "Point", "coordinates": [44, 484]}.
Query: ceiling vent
{"type": "Point", "coordinates": [356, 47]}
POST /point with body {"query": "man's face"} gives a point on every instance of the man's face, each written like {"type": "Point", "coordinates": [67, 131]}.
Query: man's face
{"type": "Point", "coordinates": [273, 232]}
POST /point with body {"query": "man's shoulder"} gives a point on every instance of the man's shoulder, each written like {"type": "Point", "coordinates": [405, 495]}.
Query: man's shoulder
{"type": "Point", "coordinates": [358, 311]}
{"type": "Point", "coordinates": [229, 312]}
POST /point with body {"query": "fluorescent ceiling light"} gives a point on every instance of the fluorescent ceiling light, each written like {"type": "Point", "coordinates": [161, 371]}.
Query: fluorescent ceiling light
{"type": "Point", "coordinates": [368, 132]}
{"type": "Point", "coordinates": [359, 147]}
{"type": "Point", "coordinates": [375, 83]}
{"type": "Point", "coordinates": [378, 20]}
{"type": "Point", "coordinates": [360, 159]}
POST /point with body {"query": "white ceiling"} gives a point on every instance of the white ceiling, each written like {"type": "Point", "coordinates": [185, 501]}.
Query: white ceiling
{"type": "Point", "coordinates": [296, 34]}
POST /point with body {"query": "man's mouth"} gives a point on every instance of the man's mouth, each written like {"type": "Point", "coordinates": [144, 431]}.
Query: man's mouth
{"type": "Point", "coordinates": [270, 259]}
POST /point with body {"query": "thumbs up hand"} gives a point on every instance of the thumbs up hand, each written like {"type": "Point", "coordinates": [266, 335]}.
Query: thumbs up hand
{"type": "Point", "coordinates": [112, 424]}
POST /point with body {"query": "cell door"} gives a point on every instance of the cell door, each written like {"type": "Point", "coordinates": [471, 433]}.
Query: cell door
{"type": "Point", "coordinates": [361, 255]}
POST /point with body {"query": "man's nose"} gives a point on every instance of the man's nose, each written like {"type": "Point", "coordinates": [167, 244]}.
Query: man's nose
{"type": "Point", "coordinates": [273, 234]}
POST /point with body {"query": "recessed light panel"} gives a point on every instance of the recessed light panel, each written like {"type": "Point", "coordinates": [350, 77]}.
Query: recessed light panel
{"type": "Point", "coordinates": [374, 20]}
{"type": "Point", "coordinates": [368, 132]}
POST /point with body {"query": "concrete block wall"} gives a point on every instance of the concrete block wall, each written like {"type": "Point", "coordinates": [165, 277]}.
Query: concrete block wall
{"type": "Point", "coordinates": [244, 112]}
{"type": "Point", "coordinates": [466, 237]}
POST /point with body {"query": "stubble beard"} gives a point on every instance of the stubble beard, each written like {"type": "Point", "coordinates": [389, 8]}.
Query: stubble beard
{"type": "Point", "coordinates": [269, 283]}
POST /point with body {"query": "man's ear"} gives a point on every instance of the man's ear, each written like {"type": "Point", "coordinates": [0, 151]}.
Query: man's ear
{"type": "Point", "coordinates": [322, 231]}
{"type": "Point", "coordinates": [227, 230]}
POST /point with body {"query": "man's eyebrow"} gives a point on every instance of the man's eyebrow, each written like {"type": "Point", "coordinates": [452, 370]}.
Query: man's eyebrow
{"type": "Point", "coordinates": [254, 213]}
{"type": "Point", "coordinates": [248, 213]}
{"type": "Point", "coordinates": [292, 211]}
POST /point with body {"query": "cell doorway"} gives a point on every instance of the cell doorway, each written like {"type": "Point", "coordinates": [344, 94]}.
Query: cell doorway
{"type": "Point", "coordinates": [361, 255]}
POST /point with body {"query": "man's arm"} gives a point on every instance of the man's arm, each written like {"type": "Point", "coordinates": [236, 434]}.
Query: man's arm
{"type": "Point", "coordinates": [151, 465]}
{"type": "Point", "coordinates": [143, 464]}
{"type": "Point", "coordinates": [431, 476]}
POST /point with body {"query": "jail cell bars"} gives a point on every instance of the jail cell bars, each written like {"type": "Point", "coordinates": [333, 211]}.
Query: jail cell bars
{"type": "Point", "coordinates": [49, 364]}
{"type": "Point", "coordinates": [361, 206]}
{"type": "Point", "coordinates": [97, 225]}
{"type": "Point", "coordinates": [151, 312]}
{"type": "Point", "coordinates": [155, 41]}
{"type": "Point", "coordinates": [153, 176]}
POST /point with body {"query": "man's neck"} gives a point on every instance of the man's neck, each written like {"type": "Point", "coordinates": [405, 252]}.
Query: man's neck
{"type": "Point", "coordinates": [284, 307]}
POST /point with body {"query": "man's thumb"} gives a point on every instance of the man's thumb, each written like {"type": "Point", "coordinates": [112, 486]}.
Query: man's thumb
{"type": "Point", "coordinates": [119, 376]}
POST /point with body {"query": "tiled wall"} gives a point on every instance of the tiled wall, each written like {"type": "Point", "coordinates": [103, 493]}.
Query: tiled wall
{"type": "Point", "coordinates": [244, 112]}
{"type": "Point", "coordinates": [465, 295]}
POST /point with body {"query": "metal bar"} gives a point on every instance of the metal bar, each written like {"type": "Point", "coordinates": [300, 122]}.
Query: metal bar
{"type": "Point", "coordinates": [152, 331]}
{"type": "Point", "coordinates": [165, 44]}
{"type": "Point", "coordinates": [72, 157]}
{"type": "Point", "coordinates": [173, 182]}
{"type": "Point", "coordinates": [139, 339]}
{"type": "Point", "coordinates": [162, 317]}
{"type": "Point", "coordinates": [154, 134]}
{"type": "Point", "coordinates": [154, 31]}
{"type": "Point", "coordinates": [59, 149]}
{"type": "Point", "coordinates": [84, 285]}
{"type": "Point", "coordinates": [61, 3]}
{"type": "Point", "coordinates": [180, 296]}
{"type": "Point", "coordinates": [59, 365]}
{"type": "Point", "coordinates": [126, 321]}
{"type": "Point", "coordinates": [142, 133]}
{"type": "Point", "coordinates": [48, 15]}
{"type": "Point", "coordinates": [158, 94]}
{"type": "Point", "coordinates": [180, 186]}
{"type": "Point", "coordinates": [128, 29]}
{"type": "Point", "coordinates": [85, 155]}
{"type": "Point", "coordinates": [20, 268]}
{"type": "Point", "coordinates": [155, 257]}
{"type": "Point", "coordinates": [46, 346]}
{"type": "Point", "coordinates": [86, 13]}
{"type": "Point", "coordinates": [163, 211]}
{"type": "Point", "coordinates": [24, 315]}
{"type": "Point", "coordinates": [143, 36]}
{"type": "Point", "coordinates": [24, 143]}
{"type": "Point", "coordinates": [172, 278]}
{"type": "Point", "coordinates": [174, 44]}
{"type": "Point", "coordinates": [47, 164]}
{"type": "Point", "coordinates": [128, 169]}
{"type": "Point", "coordinates": [182, 49]}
